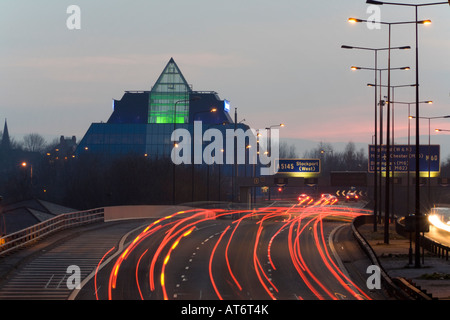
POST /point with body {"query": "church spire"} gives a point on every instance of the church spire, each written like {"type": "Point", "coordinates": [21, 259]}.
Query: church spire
{"type": "Point", "coordinates": [6, 142]}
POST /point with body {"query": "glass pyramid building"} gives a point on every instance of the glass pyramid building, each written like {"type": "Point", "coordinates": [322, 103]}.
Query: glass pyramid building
{"type": "Point", "coordinates": [169, 98]}
{"type": "Point", "coordinates": [142, 121]}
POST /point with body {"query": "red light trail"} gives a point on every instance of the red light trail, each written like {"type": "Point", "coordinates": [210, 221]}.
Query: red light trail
{"type": "Point", "coordinates": [298, 221]}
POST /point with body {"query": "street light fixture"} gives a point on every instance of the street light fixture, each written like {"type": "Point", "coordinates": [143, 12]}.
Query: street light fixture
{"type": "Point", "coordinates": [381, 140]}
{"type": "Point", "coordinates": [404, 4]}
{"type": "Point", "coordinates": [354, 68]}
{"type": "Point", "coordinates": [409, 141]}
{"type": "Point", "coordinates": [399, 86]}
{"type": "Point", "coordinates": [416, 22]}
{"type": "Point", "coordinates": [194, 98]}
{"type": "Point", "coordinates": [268, 151]}
{"type": "Point", "coordinates": [418, 211]}
{"type": "Point", "coordinates": [269, 137]}
{"type": "Point", "coordinates": [375, 50]}
{"type": "Point", "coordinates": [354, 20]}
{"type": "Point", "coordinates": [391, 141]}
{"type": "Point", "coordinates": [25, 164]}
{"type": "Point", "coordinates": [211, 110]}
{"type": "Point", "coordinates": [408, 172]}
{"type": "Point", "coordinates": [429, 144]}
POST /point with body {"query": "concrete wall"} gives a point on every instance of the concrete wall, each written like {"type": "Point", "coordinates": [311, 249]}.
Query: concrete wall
{"type": "Point", "coordinates": [141, 212]}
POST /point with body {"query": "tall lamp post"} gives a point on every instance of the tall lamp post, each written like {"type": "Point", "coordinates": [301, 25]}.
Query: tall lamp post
{"type": "Point", "coordinates": [25, 165]}
{"type": "Point", "coordinates": [418, 211]}
{"type": "Point", "coordinates": [389, 144]}
{"type": "Point", "coordinates": [195, 98]}
{"type": "Point", "coordinates": [375, 177]}
{"type": "Point", "coordinates": [193, 144]}
{"type": "Point", "coordinates": [429, 148]}
{"type": "Point", "coordinates": [269, 142]}
{"type": "Point", "coordinates": [409, 146]}
{"type": "Point", "coordinates": [388, 155]}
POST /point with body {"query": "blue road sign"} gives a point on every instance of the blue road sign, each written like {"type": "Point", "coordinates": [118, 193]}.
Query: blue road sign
{"type": "Point", "coordinates": [299, 166]}
{"type": "Point", "coordinates": [429, 158]}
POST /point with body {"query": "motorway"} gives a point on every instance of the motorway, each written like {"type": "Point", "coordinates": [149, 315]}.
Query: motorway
{"type": "Point", "coordinates": [439, 219]}
{"type": "Point", "coordinates": [280, 252]}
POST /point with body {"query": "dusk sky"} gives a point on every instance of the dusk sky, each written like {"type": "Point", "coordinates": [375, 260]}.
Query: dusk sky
{"type": "Point", "coordinates": [276, 61]}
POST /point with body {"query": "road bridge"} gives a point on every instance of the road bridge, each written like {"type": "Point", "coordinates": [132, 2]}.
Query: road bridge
{"type": "Point", "coordinates": [43, 270]}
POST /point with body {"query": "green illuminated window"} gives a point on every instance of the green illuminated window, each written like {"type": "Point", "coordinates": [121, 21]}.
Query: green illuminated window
{"type": "Point", "coordinates": [169, 98]}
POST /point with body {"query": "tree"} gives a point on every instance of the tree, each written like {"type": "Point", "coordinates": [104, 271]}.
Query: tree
{"type": "Point", "coordinates": [34, 142]}
{"type": "Point", "coordinates": [286, 151]}
{"type": "Point", "coordinates": [347, 160]}
{"type": "Point", "coordinates": [353, 160]}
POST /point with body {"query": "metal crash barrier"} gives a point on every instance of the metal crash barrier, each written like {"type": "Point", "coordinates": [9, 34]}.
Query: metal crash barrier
{"type": "Point", "coordinates": [38, 231]}
{"type": "Point", "coordinates": [439, 249]}
{"type": "Point", "coordinates": [392, 287]}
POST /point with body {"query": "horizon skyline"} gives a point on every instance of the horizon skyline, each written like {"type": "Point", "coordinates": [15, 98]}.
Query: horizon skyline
{"type": "Point", "coordinates": [74, 74]}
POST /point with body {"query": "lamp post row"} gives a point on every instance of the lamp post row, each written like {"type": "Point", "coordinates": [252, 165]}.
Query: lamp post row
{"type": "Point", "coordinates": [417, 187]}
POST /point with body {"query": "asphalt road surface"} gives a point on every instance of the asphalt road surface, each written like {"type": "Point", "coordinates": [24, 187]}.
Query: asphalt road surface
{"type": "Point", "coordinates": [273, 253]}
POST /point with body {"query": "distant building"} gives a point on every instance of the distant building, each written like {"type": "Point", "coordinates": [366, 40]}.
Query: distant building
{"type": "Point", "coordinates": [64, 150]}
{"type": "Point", "coordinates": [12, 157]}
{"type": "Point", "coordinates": [6, 141]}
{"type": "Point", "coordinates": [142, 121]}
{"type": "Point", "coordinates": [5, 152]}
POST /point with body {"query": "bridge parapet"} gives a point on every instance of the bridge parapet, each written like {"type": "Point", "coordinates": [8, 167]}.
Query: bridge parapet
{"type": "Point", "coordinates": [30, 235]}
{"type": "Point", "coordinates": [141, 212]}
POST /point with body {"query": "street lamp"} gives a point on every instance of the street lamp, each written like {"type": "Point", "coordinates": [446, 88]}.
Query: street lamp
{"type": "Point", "coordinates": [269, 141]}
{"type": "Point", "coordinates": [388, 144]}
{"type": "Point", "coordinates": [409, 144]}
{"type": "Point", "coordinates": [429, 147]}
{"type": "Point", "coordinates": [408, 173]}
{"type": "Point", "coordinates": [354, 20]}
{"type": "Point", "coordinates": [383, 69]}
{"type": "Point", "coordinates": [418, 211]}
{"type": "Point", "coordinates": [381, 110]}
{"type": "Point", "coordinates": [376, 196]}
{"type": "Point", "coordinates": [389, 103]}
{"type": "Point", "coordinates": [405, 4]}
{"type": "Point", "coordinates": [195, 98]}
{"type": "Point", "coordinates": [193, 144]}
{"type": "Point", "coordinates": [25, 164]}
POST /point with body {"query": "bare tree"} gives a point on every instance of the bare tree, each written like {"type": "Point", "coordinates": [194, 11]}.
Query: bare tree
{"type": "Point", "coordinates": [34, 142]}
{"type": "Point", "coordinates": [286, 151]}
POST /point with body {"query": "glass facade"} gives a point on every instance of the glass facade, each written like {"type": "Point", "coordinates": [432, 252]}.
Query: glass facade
{"type": "Point", "coordinates": [142, 122]}
{"type": "Point", "coordinates": [159, 144]}
{"type": "Point", "coordinates": [169, 97]}
{"type": "Point", "coordinates": [114, 139]}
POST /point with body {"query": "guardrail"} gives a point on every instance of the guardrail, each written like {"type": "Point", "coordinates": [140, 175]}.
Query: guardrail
{"type": "Point", "coordinates": [34, 233]}
{"type": "Point", "coordinates": [391, 286]}
{"type": "Point", "coordinates": [411, 289]}
{"type": "Point", "coordinates": [437, 248]}
{"type": "Point", "coordinates": [398, 286]}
